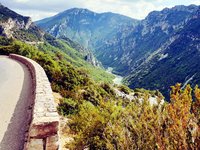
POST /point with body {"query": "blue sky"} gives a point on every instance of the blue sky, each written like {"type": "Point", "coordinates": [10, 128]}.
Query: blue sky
{"type": "Point", "coordinates": [38, 9]}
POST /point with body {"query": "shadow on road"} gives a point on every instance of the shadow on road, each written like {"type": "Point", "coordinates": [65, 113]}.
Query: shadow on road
{"type": "Point", "coordinates": [14, 137]}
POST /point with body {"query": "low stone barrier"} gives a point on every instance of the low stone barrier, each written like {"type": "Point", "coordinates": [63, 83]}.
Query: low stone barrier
{"type": "Point", "coordinates": [44, 126]}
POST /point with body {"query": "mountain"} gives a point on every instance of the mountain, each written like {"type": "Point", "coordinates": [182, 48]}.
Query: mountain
{"type": "Point", "coordinates": [177, 60]}
{"type": "Point", "coordinates": [88, 28]}
{"type": "Point", "coordinates": [129, 48]}
{"type": "Point", "coordinates": [141, 51]}
{"type": "Point", "coordinates": [22, 28]}
{"type": "Point", "coordinates": [117, 41]}
{"type": "Point", "coordinates": [18, 26]}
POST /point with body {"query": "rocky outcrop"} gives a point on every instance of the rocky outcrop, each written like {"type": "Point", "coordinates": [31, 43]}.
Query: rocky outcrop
{"type": "Point", "coordinates": [8, 27]}
{"type": "Point", "coordinates": [92, 60]}
{"type": "Point", "coordinates": [5, 28]}
{"type": "Point", "coordinates": [17, 26]}
{"type": "Point", "coordinates": [87, 54]}
{"type": "Point", "coordinates": [43, 130]}
{"type": "Point", "coordinates": [11, 21]}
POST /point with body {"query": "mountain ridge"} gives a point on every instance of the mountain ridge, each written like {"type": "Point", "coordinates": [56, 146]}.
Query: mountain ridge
{"type": "Point", "coordinates": [16, 27]}
{"type": "Point", "coordinates": [81, 27]}
{"type": "Point", "coordinates": [97, 115]}
{"type": "Point", "coordinates": [131, 46]}
{"type": "Point", "coordinates": [184, 46]}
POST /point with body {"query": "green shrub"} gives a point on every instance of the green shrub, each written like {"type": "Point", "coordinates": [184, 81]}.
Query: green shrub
{"type": "Point", "coordinates": [67, 106]}
{"type": "Point", "coordinates": [124, 89]}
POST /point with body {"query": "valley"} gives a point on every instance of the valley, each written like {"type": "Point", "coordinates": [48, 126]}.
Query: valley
{"type": "Point", "coordinates": [118, 82]}
{"type": "Point", "coordinates": [118, 79]}
{"type": "Point", "coordinates": [138, 50]}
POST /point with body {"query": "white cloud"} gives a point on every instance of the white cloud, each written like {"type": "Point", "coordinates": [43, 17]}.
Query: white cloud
{"type": "Point", "coordinates": [36, 14]}
{"type": "Point", "coordinates": [21, 1]}
{"type": "Point", "coordinates": [138, 9]}
{"type": "Point", "coordinates": [197, 2]}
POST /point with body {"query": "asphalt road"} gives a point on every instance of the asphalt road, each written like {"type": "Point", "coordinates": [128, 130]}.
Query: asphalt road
{"type": "Point", "coordinates": [15, 100]}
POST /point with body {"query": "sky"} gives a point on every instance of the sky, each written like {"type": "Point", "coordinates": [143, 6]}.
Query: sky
{"type": "Point", "coordinates": [138, 9]}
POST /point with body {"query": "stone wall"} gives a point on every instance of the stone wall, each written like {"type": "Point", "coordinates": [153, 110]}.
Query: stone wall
{"type": "Point", "coordinates": [43, 130]}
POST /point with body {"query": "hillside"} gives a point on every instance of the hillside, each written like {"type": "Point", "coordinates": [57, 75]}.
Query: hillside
{"type": "Point", "coordinates": [127, 50]}
{"type": "Point", "coordinates": [176, 61]}
{"type": "Point", "coordinates": [88, 28]}
{"type": "Point", "coordinates": [98, 115]}
{"type": "Point", "coordinates": [13, 25]}
{"type": "Point", "coordinates": [132, 45]}
{"type": "Point", "coordinates": [17, 26]}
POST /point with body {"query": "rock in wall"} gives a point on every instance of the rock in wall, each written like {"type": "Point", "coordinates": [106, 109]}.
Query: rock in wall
{"type": "Point", "coordinates": [43, 130]}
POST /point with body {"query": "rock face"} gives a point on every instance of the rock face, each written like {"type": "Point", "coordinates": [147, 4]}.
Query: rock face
{"type": "Point", "coordinates": [142, 51]}
{"type": "Point", "coordinates": [92, 60]}
{"type": "Point", "coordinates": [17, 26]}
{"type": "Point", "coordinates": [88, 28]}
{"type": "Point", "coordinates": [133, 45]}
{"type": "Point", "coordinates": [43, 130]}
{"type": "Point", "coordinates": [176, 61]}
{"type": "Point", "coordinates": [88, 55]}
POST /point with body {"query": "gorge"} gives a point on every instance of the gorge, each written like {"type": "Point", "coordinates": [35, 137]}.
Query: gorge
{"type": "Point", "coordinates": [78, 64]}
{"type": "Point", "coordinates": [139, 50]}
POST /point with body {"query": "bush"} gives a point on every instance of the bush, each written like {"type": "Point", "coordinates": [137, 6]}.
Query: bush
{"type": "Point", "coordinates": [67, 106]}
{"type": "Point", "coordinates": [110, 125]}
{"type": "Point", "coordinates": [124, 89]}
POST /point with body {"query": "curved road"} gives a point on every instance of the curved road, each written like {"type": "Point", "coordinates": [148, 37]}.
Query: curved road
{"type": "Point", "coordinates": [15, 102]}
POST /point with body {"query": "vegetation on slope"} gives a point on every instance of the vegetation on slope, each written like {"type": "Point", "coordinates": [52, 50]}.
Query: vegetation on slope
{"type": "Point", "coordinates": [175, 62]}
{"type": "Point", "coordinates": [98, 118]}
{"type": "Point", "coordinates": [101, 120]}
{"type": "Point", "coordinates": [138, 125]}
{"type": "Point", "coordinates": [76, 58]}
{"type": "Point", "coordinates": [65, 78]}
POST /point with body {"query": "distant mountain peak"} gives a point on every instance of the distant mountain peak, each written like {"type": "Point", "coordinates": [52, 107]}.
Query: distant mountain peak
{"type": "Point", "coordinates": [189, 8]}
{"type": "Point", "coordinates": [77, 11]}
{"type": "Point", "coordinates": [80, 9]}
{"type": "Point", "coordinates": [84, 26]}
{"type": "Point", "coordinates": [178, 12]}
{"type": "Point", "coordinates": [138, 50]}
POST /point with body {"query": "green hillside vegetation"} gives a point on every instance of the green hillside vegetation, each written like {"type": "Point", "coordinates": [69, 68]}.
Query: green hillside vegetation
{"type": "Point", "coordinates": [57, 64]}
{"type": "Point", "coordinates": [71, 81]}
{"type": "Point", "coordinates": [101, 120]}
{"type": "Point", "coordinates": [112, 125]}
{"type": "Point", "coordinates": [98, 119]}
{"type": "Point", "coordinates": [74, 57]}
{"type": "Point", "coordinates": [28, 35]}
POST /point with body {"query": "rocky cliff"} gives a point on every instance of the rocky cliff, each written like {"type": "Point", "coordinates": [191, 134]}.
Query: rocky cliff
{"type": "Point", "coordinates": [17, 26]}
{"type": "Point", "coordinates": [177, 60]}
{"type": "Point", "coordinates": [146, 52]}
{"type": "Point", "coordinates": [88, 28]}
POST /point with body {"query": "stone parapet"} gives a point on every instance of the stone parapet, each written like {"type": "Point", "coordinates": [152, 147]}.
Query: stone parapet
{"type": "Point", "coordinates": [43, 130]}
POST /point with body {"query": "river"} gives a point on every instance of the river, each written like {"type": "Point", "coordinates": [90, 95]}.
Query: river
{"type": "Point", "coordinates": [118, 79]}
